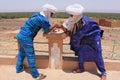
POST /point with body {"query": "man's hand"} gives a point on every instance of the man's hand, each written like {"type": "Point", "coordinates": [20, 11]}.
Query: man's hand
{"type": "Point", "coordinates": [58, 29]}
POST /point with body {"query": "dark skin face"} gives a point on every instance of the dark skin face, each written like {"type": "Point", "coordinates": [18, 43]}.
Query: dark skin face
{"type": "Point", "coordinates": [51, 14]}
{"type": "Point", "coordinates": [71, 15]}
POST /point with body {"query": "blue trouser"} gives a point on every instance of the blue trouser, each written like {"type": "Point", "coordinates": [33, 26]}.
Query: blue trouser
{"type": "Point", "coordinates": [26, 50]}
{"type": "Point", "coordinates": [98, 59]}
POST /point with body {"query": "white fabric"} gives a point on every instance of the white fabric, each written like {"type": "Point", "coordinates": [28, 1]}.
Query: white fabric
{"type": "Point", "coordinates": [47, 15]}
{"type": "Point", "coordinates": [75, 9]}
{"type": "Point", "coordinates": [69, 23]}
{"type": "Point", "coordinates": [50, 8]}
{"type": "Point", "coordinates": [42, 13]}
{"type": "Point", "coordinates": [47, 9]}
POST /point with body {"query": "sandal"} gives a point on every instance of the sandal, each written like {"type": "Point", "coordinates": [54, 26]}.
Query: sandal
{"type": "Point", "coordinates": [42, 76]}
{"type": "Point", "coordinates": [77, 71]}
{"type": "Point", "coordinates": [103, 77]}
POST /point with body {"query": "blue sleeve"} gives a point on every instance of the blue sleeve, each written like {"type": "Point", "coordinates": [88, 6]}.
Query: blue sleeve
{"type": "Point", "coordinates": [88, 30]}
{"type": "Point", "coordinates": [46, 27]}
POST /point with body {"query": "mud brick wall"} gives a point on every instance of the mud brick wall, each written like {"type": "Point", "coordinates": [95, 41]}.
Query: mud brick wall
{"type": "Point", "coordinates": [104, 22]}
{"type": "Point", "coordinates": [115, 23]}
{"type": "Point", "coordinates": [108, 23]}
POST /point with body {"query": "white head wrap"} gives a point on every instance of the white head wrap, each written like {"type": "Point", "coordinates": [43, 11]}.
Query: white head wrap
{"type": "Point", "coordinates": [77, 11]}
{"type": "Point", "coordinates": [47, 9]}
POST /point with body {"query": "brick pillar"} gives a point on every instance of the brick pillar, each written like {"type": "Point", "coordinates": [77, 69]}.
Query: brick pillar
{"type": "Point", "coordinates": [55, 42]}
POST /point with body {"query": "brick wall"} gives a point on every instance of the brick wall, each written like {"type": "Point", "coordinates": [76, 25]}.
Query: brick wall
{"type": "Point", "coordinates": [104, 22]}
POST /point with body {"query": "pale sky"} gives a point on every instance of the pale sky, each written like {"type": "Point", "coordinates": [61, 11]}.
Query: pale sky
{"type": "Point", "coordinates": [35, 5]}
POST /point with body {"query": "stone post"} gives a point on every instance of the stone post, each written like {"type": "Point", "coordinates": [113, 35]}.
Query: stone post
{"type": "Point", "coordinates": [55, 42]}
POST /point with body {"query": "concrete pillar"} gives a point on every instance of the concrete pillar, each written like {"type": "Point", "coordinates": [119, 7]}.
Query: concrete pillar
{"type": "Point", "coordinates": [55, 42]}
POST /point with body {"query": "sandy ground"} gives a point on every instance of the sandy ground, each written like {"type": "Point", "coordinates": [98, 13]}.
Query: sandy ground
{"type": "Point", "coordinates": [8, 73]}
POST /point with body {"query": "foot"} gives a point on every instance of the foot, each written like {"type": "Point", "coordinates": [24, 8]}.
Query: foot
{"type": "Point", "coordinates": [21, 70]}
{"type": "Point", "coordinates": [42, 76]}
{"type": "Point", "coordinates": [103, 77]}
{"type": "Point", "coordinates": [77, 71]}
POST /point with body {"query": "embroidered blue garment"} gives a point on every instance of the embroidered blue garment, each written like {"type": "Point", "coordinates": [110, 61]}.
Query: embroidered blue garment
{"type": "Point", "coordinates": [25, 39]}
{"type": "Point", "coordinates": [87, 41]}
{"type": "Point", "coordinates": [34, 24]}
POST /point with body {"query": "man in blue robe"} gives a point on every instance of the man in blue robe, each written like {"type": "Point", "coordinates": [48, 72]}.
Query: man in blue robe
{"type": "Point", "coordinates": [26, 35]}
{"type": "Point", "coordinates": [85, 38]}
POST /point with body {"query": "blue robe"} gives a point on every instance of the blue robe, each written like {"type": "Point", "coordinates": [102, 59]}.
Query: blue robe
{"type": "Point", "coordinates": [86, 43]}
{"type": "Point", "coordinates": [25, 39]}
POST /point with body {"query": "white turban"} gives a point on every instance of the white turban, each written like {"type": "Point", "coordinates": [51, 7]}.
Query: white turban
{"type": "Point", "coordinates": [75, 9]}
{"type": "Point", "coordinates": [48, 7]}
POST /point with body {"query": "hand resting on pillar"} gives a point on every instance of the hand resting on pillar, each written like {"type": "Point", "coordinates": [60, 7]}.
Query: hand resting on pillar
{"type": "Point", "coordinates": [58, 29]}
